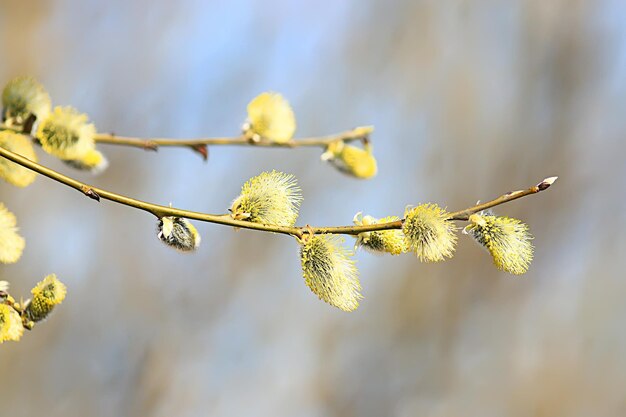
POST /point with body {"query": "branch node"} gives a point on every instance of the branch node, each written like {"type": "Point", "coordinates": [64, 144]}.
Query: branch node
{"type": "Point", "coordinates": [149, 145]}
{"type": "Point", "coordinates": [89, 192]}
{"type": "Point", "coordinates": [203, 150]}
{"type": "Point", "coordinates": [298, 235]}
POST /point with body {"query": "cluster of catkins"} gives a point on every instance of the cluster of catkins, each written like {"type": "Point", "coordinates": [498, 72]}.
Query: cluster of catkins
{"type": "Point", "coordinates": [27, 119]}
{"type": "Point", "coordinates": [17, 316]}
{"type": "Point", "coordinates": [271, 198]}
{"type": "Point", "coordinates": [329, 270]}
{"type": "Point", "coordinates": [64, 132]}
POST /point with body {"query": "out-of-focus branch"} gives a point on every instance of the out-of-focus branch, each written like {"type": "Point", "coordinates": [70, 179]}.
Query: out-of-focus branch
{"type": "Point", "coordinates": [359, 133]}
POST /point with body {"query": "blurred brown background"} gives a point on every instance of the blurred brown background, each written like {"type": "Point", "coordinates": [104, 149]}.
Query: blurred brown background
{"type": "Point", "coordinates": [470, 99]}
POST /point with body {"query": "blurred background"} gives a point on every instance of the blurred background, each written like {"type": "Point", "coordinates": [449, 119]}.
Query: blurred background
{"type": "Point", "coordinates": [470, 99]}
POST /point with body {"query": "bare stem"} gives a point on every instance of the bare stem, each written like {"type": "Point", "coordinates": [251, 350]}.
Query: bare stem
{"type": "Point", "coordinates": [225, 219]}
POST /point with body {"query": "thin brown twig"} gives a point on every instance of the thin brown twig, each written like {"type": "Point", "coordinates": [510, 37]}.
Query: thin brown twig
{"type": "Point", "coordinates": [225, 219]}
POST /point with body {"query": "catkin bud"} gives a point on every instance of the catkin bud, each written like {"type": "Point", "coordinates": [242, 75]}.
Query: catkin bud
{"type": "Point", "coordinates": [11, 244]}
{"type": "Point", "coordinates": [429, 232]}
{"type": "Point", "coordinates": [11, 327]}
{"type": "Point", "coordinates": [269, 198]}
{"type": "Point", "coordinates": [351, 160]}
{"type": "Point", "coordinates": [66, 133]}
{"type": "Point", "coordinates": [178, 233]}
{"type": "Point", "coordinates": [329, 271]}
{"type": "Point", "coordinates": [270, 117]}
{"type": "Point", "coordinates": [47, 294]}
{"type": "Point", "coordinates": [93, 161]}
{"type": "Point", "coordinates": [10, 171]}
{"type": "Point", "coordinates": [390, 241]}
{"type": "Point", "coordinates": [507, 239]}
{"type": "Point", "coordinates": [24, 101]}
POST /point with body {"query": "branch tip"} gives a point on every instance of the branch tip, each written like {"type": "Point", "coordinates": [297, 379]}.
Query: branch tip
{"type": "Point", "coordinates": [546, 183]}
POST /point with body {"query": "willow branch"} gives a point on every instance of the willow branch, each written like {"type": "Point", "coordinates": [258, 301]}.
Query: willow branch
{"type": "Point", "coordinates": [225, 219]}
{"type": "Point", "coordinates": [359, 133]}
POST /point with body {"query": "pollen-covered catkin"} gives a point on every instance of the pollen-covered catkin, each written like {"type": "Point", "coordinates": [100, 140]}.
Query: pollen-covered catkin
{"type": "Point", "coordinates": [93, 161]}
{"type": "Point", "coordinates": [269, 198]}
{"type": "Point", "coordinates": [429, 232]}
{"type": "Point", "coordinates": [10, 171]}
{"type": "Point", "coordinates": [24, 101]}
{"type": "Point", "coordinates": [506, 239]}
{"type": "Point", "coordinates": [11, 243]}
{"type": "Point", "coordinates": [271, 118]}
{"type": "Point", "coordinates": [329, 271]}
{"type": "Point", "coordinates": [178, 233]}
{"type": "Point", "coordinates": [11, 327]}
{"type": "Point", "coordinates": [352, 160]}
{"type": "Point", "coordinates": [66, 133]}
{"type": "Point", "coordinates": [46, 295]}
{"type": "Point", "coordinates": [389, 241]}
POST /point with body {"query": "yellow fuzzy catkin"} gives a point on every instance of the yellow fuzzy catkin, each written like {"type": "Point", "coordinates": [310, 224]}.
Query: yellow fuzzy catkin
{"type": "Point", "coordinates": [389, 241]}
{"type": "Point", "coordinates": [269, 198]}
{"type": "Point", "coordinates": [24, 100]}
{"type": "Point", "coordinates": [66, 134]}
{"type": "Point", "coordinates": [11, 327]}
{"type": "Point", "coordinates": [46, 294]}
{"type": "Point", "coordinates": [330, 272]}
{"type": "Point", "coordinates": [270, 117]}
{"type": "Point", "coordinates": [178, 233]}
{"type": "Point", "coordinates": [429, 232]}
{"type": "Point", "coordinates": [352, 160]}
{"type": "Point", "coordinates": [507, 239]}
{"type": "Point", "coordinates": [93, 161]}
{"type": "Point", "coordinates": [10, 171]}
{"type": "Point", "coordinates": [11, 244]}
